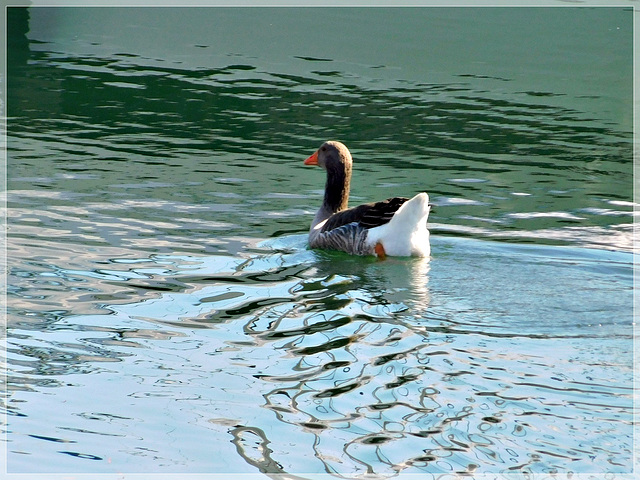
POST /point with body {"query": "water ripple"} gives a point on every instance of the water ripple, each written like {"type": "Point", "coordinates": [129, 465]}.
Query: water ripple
{"type": "Point", "coordinates": [362, 370]}
{"type": "Point", "coordinates": [449, 133]}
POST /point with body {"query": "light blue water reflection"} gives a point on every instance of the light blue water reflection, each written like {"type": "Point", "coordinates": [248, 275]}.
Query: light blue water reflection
{"type": "Point", "coordinates": [298, 361]}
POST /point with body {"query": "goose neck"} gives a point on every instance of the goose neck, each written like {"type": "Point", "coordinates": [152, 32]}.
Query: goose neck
{"type": "Point", "coordinates": [336, 193]}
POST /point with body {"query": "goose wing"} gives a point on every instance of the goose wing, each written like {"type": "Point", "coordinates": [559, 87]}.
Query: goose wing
{"type": "Point", "coordinates": [368, 215]}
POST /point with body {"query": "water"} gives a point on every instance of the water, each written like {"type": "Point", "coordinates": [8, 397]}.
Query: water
{"type": "Point", "coordinates": [166, 316]}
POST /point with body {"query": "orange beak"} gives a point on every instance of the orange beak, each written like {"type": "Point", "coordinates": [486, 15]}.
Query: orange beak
{"type": "Point", "coordinates": [312, 160]}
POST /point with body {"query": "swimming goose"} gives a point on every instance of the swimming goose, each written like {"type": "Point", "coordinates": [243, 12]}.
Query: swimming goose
{"type": "Point", "coordinates": [396, 226]}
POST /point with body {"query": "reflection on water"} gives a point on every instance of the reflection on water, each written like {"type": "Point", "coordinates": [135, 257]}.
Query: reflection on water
{"type": "Point", "coordinates": [375, 367]}
{"type": "Point", "coordinates": [166, 316]}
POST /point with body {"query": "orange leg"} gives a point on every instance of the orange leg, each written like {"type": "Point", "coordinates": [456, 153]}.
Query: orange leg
{"type": "Point", "coordinates": [380, 251]}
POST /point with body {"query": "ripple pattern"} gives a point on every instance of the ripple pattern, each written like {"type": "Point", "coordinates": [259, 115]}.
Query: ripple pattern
{"type": "Point", "coordinates": [274, 349]}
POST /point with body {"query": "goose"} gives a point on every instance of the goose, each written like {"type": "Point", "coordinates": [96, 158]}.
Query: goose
{"type": "Point", "coordinates": [394, 227]}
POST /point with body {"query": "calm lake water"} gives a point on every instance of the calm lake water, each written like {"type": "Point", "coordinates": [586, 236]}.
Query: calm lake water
{"type": "Point", "coordinates": [166, 316]}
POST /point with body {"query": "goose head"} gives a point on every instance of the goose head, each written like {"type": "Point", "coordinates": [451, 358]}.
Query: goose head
{"type": "Point", "coordinates": [336, 159]}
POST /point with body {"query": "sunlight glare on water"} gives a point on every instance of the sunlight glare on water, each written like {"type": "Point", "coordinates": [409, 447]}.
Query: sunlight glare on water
{"type": "Point", "coordinates": [372, 368]}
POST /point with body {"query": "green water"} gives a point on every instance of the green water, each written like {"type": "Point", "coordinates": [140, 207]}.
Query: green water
{"type": "Point", "coordinates": [166, 316]}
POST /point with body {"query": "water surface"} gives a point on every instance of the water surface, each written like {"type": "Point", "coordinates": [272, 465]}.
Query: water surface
{"type": "Point", "coordinates": [166, 316]}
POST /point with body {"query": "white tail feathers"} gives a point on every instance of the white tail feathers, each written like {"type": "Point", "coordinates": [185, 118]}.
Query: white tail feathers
{"type": "Point", "coordinates": [412, 213]}
{"type": "Point", "coordinates": [406, 233]}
